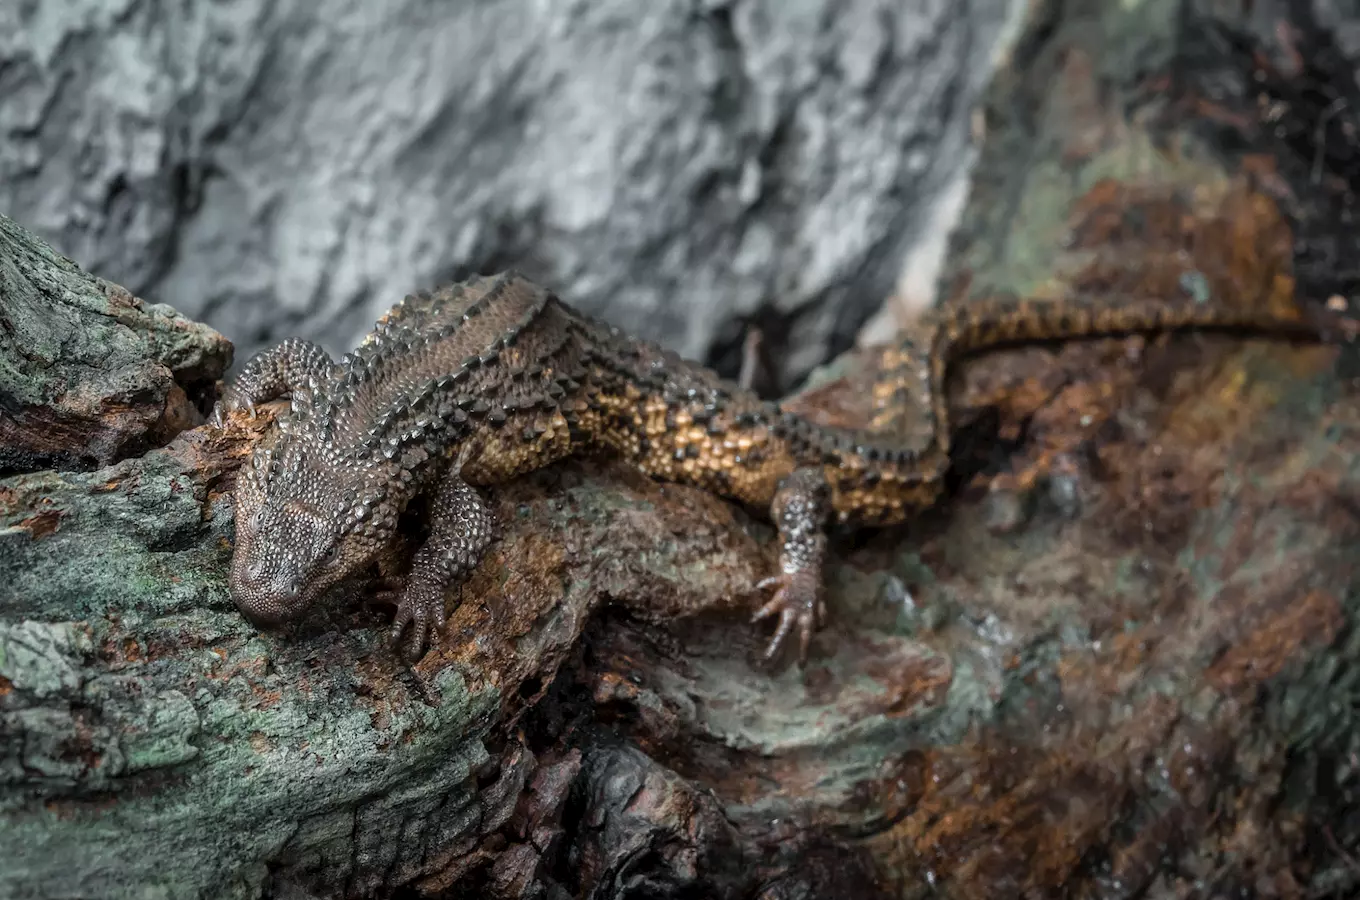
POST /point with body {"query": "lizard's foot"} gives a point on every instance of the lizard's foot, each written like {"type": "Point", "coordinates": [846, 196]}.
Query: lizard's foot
{"type": "Point", "coordinates": [798, 601]}
{"type": "Point", "coordinates": [799, 510]}
{"type": "Point", "coordinates": [230, 403]}
{"type": "Point", "coordinates": [386, 589]}
{"type": "Point", "coordinates": [288, 368]}
{"type": "Point", "coordinates": [381, 589]}
{"type": "Point", "coordinates": [422, 608]}
{"type": "Point", "coordinates": [461, 528]}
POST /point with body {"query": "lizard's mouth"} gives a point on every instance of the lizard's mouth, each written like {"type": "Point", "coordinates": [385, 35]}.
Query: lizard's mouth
{"type": "Point", "coordinates": [267, 599]}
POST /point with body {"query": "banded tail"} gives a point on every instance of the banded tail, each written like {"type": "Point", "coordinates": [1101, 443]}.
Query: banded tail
{"type": "Point", "coordinates": [950, 333]}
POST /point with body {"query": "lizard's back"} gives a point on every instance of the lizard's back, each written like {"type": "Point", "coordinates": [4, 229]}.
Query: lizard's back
{"type": "Point", "coordinates": [525, 380]}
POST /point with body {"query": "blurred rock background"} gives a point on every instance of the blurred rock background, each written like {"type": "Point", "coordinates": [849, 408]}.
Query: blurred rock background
{"type": "Point", "coordinates": [685, 168]}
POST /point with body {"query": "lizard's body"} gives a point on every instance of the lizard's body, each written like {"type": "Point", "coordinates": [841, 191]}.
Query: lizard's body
{"type": "Point", "coordinates": [480, 382]}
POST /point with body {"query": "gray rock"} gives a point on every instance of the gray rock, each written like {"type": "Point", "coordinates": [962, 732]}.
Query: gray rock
{"type": "Point", "coordinates": [677, 166]}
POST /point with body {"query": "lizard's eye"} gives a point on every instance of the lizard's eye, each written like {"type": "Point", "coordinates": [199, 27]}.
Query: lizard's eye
{"type": "Point", "coordinates": [331, 555]}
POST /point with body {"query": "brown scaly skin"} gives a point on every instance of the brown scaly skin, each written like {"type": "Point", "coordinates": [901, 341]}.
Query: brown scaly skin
{"type": "Point", "coordinates": [482, 381]}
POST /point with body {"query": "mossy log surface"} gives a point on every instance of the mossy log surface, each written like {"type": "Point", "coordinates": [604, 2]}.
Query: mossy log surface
{"type": "Point", "coordinates": [1118, 661]}
{"type": "Point", "coordinates": [90, 374]}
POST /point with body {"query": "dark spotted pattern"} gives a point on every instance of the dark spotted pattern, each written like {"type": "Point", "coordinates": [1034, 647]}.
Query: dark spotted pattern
{"type": "Point", "coordinates": [482, 381]}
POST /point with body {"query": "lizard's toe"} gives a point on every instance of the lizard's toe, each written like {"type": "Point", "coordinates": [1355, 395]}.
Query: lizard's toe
{"type": "Point", "coordinates": [421, 610]}
{"type": "Point", "coordinates": [387, 589]}
{"type": "Point", "coordinates": [798, 603]}
{"type": "Point", "coordinates": [229, 403]}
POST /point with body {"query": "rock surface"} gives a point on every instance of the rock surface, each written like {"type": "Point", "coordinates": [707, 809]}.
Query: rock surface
{"type": "Point", "coordinates": [680, 166]}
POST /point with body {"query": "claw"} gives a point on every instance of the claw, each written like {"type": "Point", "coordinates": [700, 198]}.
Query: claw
{"type": "Point", "coordinates": [399, 622]}
{"type": "Point", "coordinates": [225, 406]}
{"type": "Point", "coordinates": [387, 589]}
{"type": "Point", "coordinates": [750, 358]}
{"type": "Point", "coordinates": [420, 611]}
{"type": "Point", "coordinates": [415, 648]}
{"type": "Point", "coordinates": [798, 603]}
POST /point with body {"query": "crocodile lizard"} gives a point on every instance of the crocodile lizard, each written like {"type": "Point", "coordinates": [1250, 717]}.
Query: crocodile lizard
{"type": "Point", "coordinates": [478, 382]}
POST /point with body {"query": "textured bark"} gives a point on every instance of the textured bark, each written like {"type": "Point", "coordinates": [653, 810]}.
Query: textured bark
{"type": "Point", "coordinates": [1117, 662]}
{"type": "Point", "coordinates": [88, 373]}
{"type": "Point", "coordinates": [279, 167]}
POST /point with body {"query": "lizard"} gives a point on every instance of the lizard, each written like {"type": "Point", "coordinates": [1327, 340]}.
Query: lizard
{"type": "Point", "coordinates": [480, 381]}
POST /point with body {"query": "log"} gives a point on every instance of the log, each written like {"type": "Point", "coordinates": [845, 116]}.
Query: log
{"type": "Point", "coordinates": [1116, 662]}
{"type": "Point", "coordinates": [90, 374]}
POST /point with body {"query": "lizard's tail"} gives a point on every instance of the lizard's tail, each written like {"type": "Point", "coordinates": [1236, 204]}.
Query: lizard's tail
{"type": "Point", "coordinates": [967, 328]}
{"type": "Point", "coordinates": [921, 362]}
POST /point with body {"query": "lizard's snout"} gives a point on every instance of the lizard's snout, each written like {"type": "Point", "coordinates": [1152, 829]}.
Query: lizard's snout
{"type": "Point", "coordinates": [267, 598]}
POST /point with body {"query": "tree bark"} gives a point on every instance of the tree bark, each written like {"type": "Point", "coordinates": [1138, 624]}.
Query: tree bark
{"type": "Point", "coordinates": [90, 374]}
{"type": "Point", "coordinates": [1116, 662]}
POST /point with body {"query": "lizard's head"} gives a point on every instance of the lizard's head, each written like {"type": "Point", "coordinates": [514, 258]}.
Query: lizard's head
{"type": "Point", "coordinates": [304, 524]}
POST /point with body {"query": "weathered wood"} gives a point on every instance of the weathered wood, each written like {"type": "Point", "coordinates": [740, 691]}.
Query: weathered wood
{"type": "Point", "coordinates": [1117, 663]}
{"type": "Point", "coordinates": [90, 374]}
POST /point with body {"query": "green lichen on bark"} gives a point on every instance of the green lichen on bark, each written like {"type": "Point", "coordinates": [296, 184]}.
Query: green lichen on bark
{"type": "Point", "coordinates": [88, 373]}
{"type": "Point", "coordinates": [154, 745]}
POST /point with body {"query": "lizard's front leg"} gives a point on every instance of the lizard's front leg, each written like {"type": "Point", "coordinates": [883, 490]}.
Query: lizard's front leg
{"type": "Point", "coordinates": [461, 528]}
{"type": "Point", "coordinates": [800, 510]}
{"type": "Point", "coordinates": [290, 367]}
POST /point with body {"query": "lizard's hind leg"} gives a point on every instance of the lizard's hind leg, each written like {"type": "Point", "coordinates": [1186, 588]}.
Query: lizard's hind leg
{"type": "Point", "coordinates": [800, 510]}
